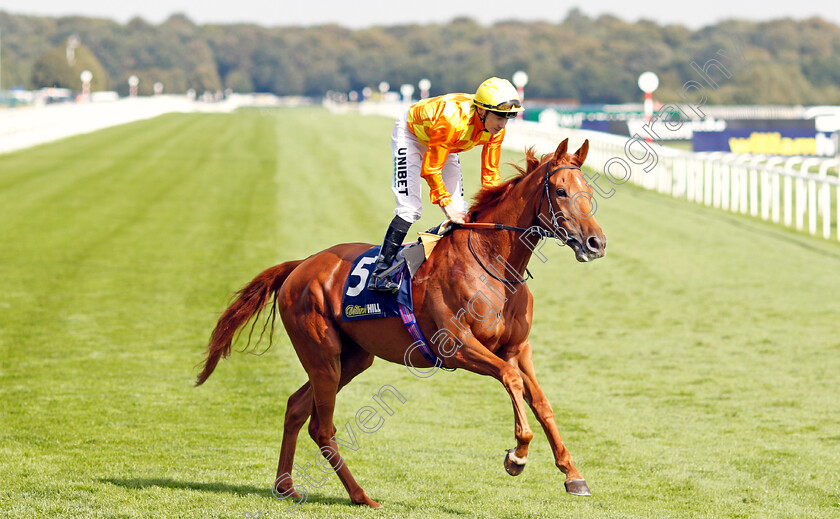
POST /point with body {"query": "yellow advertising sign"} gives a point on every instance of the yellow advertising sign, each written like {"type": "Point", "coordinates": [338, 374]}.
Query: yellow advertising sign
{"type": "Point", "coordinates": [772, 143]}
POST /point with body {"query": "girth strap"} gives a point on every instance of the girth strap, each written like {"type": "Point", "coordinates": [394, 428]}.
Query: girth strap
{"type": "Point", "coordinates": [410, 322]}
{"type": "Point", "coordinates": [413, 328]}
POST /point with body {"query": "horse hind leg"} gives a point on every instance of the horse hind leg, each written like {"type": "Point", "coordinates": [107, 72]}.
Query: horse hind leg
{"type": "Point", "coordinates": [298, 409]}
{"type": "Point", "coordinates": [353, 361]}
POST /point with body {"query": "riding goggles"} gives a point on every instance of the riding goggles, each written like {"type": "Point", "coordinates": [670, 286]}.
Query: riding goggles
{"type": "Point", "coordinates": [506, 106]}
{"type": "Point", "coordinates": [504, 115]}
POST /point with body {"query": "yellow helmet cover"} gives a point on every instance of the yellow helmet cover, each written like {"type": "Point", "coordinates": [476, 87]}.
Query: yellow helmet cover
{"type": "Point", "coordinates": [498, 95]}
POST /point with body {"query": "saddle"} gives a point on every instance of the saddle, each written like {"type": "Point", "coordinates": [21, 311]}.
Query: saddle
{"type": "Point", "coordinates": [416, 253]}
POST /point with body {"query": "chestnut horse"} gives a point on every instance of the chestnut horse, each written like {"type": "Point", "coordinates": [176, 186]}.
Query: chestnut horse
{"type": "Point", "coordinates": [548, 198]}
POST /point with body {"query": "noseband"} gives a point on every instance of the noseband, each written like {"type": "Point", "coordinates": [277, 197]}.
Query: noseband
{"type": "Point", "coordinates": [540, 230]}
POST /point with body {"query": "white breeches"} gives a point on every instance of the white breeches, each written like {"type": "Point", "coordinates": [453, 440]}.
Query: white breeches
{"type": "Point", "coordinates": [407, 183]}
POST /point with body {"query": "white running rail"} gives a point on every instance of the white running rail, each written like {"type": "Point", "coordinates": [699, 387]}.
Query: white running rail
{"type": "Point", "coordinates": [800, 192]}
{"type": "Point", "coordinates": [792, 190]}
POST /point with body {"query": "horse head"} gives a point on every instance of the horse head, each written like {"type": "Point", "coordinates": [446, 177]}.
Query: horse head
{"type": "Point", "coordinates": [568, 204]}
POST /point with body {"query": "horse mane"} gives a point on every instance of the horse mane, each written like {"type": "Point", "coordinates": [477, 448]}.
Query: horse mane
{"type": "Point", "coordinates": [492, 196]}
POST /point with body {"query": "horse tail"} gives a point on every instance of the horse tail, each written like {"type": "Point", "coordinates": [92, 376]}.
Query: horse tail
{"type": "Point", "coordinates": [249, 303]}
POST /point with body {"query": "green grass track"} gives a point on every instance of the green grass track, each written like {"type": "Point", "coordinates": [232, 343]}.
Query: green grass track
{"type": "Point", "coordinates": [694, 371]}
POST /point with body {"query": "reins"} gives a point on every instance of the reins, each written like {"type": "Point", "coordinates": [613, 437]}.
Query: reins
{"type": "Point", "coordinates": [538, 229]}
{"type": "Point", "coordinates": [494, 276]}
{"type": "Point", "coordinates": [502, 227]}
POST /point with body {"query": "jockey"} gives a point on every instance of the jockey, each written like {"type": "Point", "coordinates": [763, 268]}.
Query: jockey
{"type": "Point", "coordinates": [426, 142]}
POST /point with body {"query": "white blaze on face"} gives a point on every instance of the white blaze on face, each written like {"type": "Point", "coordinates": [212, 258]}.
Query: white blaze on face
{"type": "Point", "coordinates": [582, 203]}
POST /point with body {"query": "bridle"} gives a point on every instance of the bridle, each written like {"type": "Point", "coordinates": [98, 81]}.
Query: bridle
{"type": "Point", "coordinates": [541, 231]}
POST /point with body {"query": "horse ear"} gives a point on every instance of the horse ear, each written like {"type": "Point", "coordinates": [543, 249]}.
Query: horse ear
{"type": "Point", "coordinates": [581, 153]}
{"type": "Point", "coordinates": [561, 149]}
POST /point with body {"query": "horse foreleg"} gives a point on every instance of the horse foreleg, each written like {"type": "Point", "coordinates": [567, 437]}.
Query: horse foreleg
{"type": "Point", "coordinates": [476, 358]}
{"type": "Point", "coordinates": [574, 483]}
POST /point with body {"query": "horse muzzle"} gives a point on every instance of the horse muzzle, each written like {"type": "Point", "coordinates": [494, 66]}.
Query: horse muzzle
{"type": "Point", "coordinates": [588, 249]}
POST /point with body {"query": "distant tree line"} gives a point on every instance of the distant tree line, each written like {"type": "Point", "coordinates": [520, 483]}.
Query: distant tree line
{"type": "Point", "coordinates": [591, 60]}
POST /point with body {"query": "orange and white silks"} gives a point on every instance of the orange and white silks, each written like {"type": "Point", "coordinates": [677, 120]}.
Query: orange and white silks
{"type": "Point", "coordinates": [449, 124]}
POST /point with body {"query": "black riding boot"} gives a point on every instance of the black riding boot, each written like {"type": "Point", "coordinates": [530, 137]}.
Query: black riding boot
{"type": "Point", "coordinates": [390, 246]}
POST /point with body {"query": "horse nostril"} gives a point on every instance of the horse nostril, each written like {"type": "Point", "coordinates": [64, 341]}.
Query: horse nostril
{"type": "Point", "coordinates": [593, 243]}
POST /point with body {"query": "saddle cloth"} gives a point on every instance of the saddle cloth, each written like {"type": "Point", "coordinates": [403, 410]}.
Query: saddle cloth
{"type": "Point", "coordinates": [360, 303]}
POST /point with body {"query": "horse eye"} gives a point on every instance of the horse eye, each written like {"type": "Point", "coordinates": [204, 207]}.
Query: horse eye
{"type": "Point", "coordinates": [561, 192]}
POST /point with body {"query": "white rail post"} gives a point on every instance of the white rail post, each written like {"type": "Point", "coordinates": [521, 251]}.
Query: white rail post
{"type": "Point", "coordinates": [721, 182]}
{"type": "Point", "coordinates": [717, 180]}
{"type": "Point", "coordinates": [728, 182]}
{"type": "Point", "coordinates": [708, 178]}
{"type": "Point", "coordinates": [789, 164]}
{"type": "Point", "coordinates": [775, 191]}
{"type": "Point", "coordinates": [678, 188]}
{"type": "Point", "coordinates": [825, 197]}
{"type": "Point", "coordinates": [666, 181]}
{"type": "Point", "coordinates": [754, 208]}
{"type": "Point", "coordinates": [700, 180]}
{"type": "Point", "coordinates": [691, 179]}
{"type": "Point", "coordinates": [808, 200]}
{"type": "Point", "coordinates": [740, 198]}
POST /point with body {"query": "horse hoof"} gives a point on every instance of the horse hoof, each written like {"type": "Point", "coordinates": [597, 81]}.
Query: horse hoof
{"type": "Point", "coordinates": [577, 488]}
{"type": "Point", "coordinates": [364, 500]}
{"type": "Point", "coordinates": [285, 493]}
{"type": "Point", "coordinates": [367, 502]}
{"type": "Point", "coordinates": [512, 468]}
